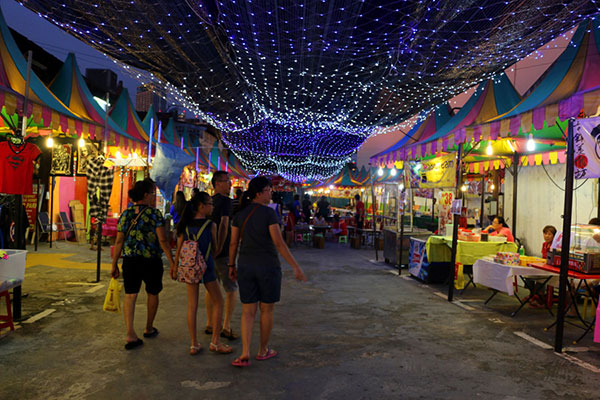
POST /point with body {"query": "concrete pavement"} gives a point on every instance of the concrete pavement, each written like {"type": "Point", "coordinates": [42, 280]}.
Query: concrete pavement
{"type": "Point", "coordinates": [354, 331]}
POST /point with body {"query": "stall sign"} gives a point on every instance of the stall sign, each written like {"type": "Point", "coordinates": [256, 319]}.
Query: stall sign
{"type": "Point", "coordinates": [439, 172]}
{"type": "Point", "coordinates": [445, 216]}
{"type": "Point", "coordinates": [456, 208]}
{"type": "Point", "coordinates": [586, 139]}
{"type": "Point", "coordinates": [30, 204]}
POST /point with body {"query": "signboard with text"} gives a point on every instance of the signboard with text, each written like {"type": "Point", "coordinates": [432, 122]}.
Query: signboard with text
{"type": "Point", "coordinates": [445, 216]}
{"type": "Point", "coordinates": [586, 139]}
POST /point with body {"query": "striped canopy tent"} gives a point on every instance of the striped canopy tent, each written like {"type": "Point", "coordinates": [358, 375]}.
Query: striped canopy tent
{"type": "Point", "coordinates": [70, 87]}
{"type": "Point", "coordinates": [146, 122]}
{"type": "Point", "coordinates": [427, 124]}
{"type": "Point", "coordinates": [570, 87]}
{"type": "Point", "coordinates": [346, 179]}
{"type": "Point", "coordinates": [490, 99]}
{"type": "Point", "coordinates": [44, 107]}
{"type": "Point", "coordinates": [236, 168]}
{"type": "Point", "coordinates": [126, 117]}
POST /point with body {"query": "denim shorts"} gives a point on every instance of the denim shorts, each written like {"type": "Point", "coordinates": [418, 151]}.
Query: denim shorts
{"type": "Point", "coordinates": [209, 275]}
{"type": "Point", "coordinates": [259, 283]}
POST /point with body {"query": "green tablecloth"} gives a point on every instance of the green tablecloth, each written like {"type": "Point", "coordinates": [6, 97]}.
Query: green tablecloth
{"type": "Point", "coordinates": [439, 249]}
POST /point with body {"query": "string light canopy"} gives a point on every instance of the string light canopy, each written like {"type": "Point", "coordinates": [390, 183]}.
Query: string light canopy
{"type": "Point", "coordinates": [297, 86]}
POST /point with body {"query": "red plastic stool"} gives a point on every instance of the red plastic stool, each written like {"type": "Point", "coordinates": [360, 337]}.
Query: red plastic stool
{"type": "Point", "coordinates": [550, 300]}
{"type": "Point", "coordinates": [8, 318]}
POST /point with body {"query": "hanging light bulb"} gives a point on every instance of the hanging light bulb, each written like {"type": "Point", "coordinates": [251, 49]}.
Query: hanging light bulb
{"type": "Point", "coordinates": [118, 154]}
{"type": "Point", "coordinates": [49, 142]}
{"type": "Point", "coordinates": [134, 155]}
{"type": "Point", "coordinates": [530, 143]}
{"type": "Point", "coordinates": [489, 150]}
{"type": "Point", "coordinates": [393, 172]}
{"type": "Point", "coordinates": [463, 188]}
{"type": "Point", "coordinates": [401, 187]}
{"type": "Point", "coordinates": [331, 187]}
{"type": "Point", "coordinates": [492, 187]}
{"type": "Point", "coordinates": [81, 142]}
{"type": "Point", "coordinates": [380, 172]}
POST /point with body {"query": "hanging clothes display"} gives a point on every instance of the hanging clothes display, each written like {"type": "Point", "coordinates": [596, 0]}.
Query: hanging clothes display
{"type": "Point", "coordinates": [16, 167]}
{"type": "Point", "coordinates": [99, 181]}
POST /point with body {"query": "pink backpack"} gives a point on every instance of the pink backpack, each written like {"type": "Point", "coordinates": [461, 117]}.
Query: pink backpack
{"type": "Point", "coordinates": [192, 264]}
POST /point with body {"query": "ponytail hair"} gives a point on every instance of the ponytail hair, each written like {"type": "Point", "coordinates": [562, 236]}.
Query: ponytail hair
{"type": "Point", "coordinates": [189, 212]}
{"type": "Point", "coordinates": [140, 189]}
{"type": "Point", "coordinates": [256, 185]}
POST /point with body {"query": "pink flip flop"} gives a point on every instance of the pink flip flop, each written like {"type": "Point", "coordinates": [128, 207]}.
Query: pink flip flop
{"type": "Point", "coordinates": [238, 362]}
{"type": "Point", "coordinates": [269, 354]}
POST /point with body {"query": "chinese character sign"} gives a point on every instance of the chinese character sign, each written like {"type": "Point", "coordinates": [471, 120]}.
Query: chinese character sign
{"type": "Point", "coordinates": [586, 140]}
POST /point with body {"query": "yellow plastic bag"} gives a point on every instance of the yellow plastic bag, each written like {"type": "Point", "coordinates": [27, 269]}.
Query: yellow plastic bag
{"type": "Point", "coordinates": [112, 301]}
{"type": "Point", "coordinates": [459, 277]}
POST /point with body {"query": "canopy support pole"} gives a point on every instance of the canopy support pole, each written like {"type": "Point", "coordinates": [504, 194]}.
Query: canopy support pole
{"type": "Point", "coordinates": [455, 225]}
{"type": "Point", "coordinates": [482, 201]}
{"type": "Point", "coordinates": [566, 241]}
{"type": "Point", "coordinates": [401, 206]}
{"type": "Point", "coordinates": [515, 186]}
{"type": "Point", "coordinates": [373, 205]}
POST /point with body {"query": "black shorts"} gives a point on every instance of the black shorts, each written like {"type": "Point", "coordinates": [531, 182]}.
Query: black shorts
{"type": "Point", "coordinates": [138, 269]}
{"type": "Point", "coordinates": [259, 283]}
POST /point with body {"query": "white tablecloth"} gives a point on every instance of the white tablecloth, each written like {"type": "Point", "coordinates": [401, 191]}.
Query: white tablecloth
{"type": "Point", "coordinates": [500, 276]}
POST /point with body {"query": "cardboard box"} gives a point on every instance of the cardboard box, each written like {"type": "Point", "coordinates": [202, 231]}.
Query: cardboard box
{"type": "Point", "coordinates": [355, 242]}
{"type": "Point", "coordinates": [78, 220]}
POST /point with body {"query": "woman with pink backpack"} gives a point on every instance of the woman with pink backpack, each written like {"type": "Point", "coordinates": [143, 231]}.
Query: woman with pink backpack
{"type": "Point", "coordinates": [194, 263]}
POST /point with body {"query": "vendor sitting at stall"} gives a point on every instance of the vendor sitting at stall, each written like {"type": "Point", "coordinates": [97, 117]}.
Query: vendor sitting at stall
{"type": "Point", "coordinates": [500, 228]}
{"type": "Point", "coordinates": [549, 232]}
{"type": "Point", "coordinates": [319, 220]}
{"type": "Point", "coordinates": [339, 226]}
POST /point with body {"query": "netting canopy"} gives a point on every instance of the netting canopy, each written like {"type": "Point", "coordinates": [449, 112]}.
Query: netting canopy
{"type": "Point", "coordinates": [297, 86]}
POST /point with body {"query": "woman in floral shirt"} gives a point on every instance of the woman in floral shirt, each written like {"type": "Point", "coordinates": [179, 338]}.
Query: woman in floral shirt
{"type": "Point", "coordinates": [141, 238]}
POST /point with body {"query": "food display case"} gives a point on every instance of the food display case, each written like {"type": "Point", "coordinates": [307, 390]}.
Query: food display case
{"type": "Point", "coordinates": [584, 254]}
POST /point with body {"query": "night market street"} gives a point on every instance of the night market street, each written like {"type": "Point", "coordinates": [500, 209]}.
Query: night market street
{"type": "Point", "coordinates": [355, 330]}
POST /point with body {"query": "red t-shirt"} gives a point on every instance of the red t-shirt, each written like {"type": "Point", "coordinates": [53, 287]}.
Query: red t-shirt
{"type": "Point", "coordinates": [16, 167]}
{"type": "Point", "coordinates": [360, 208]}
{"type": "Point", "coordinates": [545, 248]}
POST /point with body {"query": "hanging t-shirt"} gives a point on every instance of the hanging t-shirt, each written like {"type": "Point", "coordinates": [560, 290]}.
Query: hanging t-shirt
{"type": "Point", "coordinates": [16, 167]}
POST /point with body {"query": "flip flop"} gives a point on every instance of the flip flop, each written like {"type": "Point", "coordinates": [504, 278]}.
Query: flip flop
{"type": "Point", "coordinates": [208, 331]}
{"type": "Point", "coordinates": [269, 354]}
{"type": "Point", "coordinates": [134, 344]}
{"type": "Point", "coordinates": [195, 350]}
{"type": "Point", "coordinates": [238, 362]}
{"type": "Point", "coordinates": [152, 334]}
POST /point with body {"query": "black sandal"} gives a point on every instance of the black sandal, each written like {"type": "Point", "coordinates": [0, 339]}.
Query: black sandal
{"type": "Point", "coordinates": [228, 335]}
{"type": "Point", "coordinates": [208, 331]}
{"type": "Point", "coordinates": [134, 344]}
{"type": "Point", "coordinates": [152, 334]}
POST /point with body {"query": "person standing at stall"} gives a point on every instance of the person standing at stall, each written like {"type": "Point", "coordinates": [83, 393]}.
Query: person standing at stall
{"type": "Point", "coordinates": [141, 237]}
{"type": "Point", "coordinates": [306, 208]}
{"type": "Point", "coordinates": [360, 212]}
{"type": "Point", "coordinates": [256, 232]}
{"type": "Point", "coordinates": [222, 217]}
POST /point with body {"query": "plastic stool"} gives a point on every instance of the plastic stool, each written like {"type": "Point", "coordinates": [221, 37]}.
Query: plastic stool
{"type": "Point", "coordinates": [8, 317]}
{"type": "Point", "coordinates": [343, 239]}
{"type": "Point", "coordinates": [299, 237]}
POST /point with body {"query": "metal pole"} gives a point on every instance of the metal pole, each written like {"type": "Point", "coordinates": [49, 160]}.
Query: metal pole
{"type": "Point", "coordinates": [401, 250]}
{"type": "Point", "coordinates": [150, 140]}
{"type": "Point", "coordinates": [106, 124]}
{"type": "Point", "coordinates": [99, 249]}
{"type": "Point", "coordinates": [373, 205]}
{"type": "Point", "coordinates": [53, 182]}
{"type": "Point", "coordinates": [566, 242]}
{"type": "Point", "coordinates": [482, 201]}
{"type": "Point", "coordinates": [515, 186]}
{"type": "Point", "coordinates": [26, 99]}
{"type": "Point", "coordinates": [37, 212]}
{"type": "Point", "coordinates": [455, 226]}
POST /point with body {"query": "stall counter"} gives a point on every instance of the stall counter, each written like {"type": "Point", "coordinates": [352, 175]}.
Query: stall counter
{"type": "Point", "coordinates": [439, 249]}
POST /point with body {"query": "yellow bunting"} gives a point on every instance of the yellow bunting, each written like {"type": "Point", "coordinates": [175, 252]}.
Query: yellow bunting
{"type": "Point", "coordinates": [37, 113]}
{"type": "Point", "coordinates": [553, 157]}
{"type": "Point", "coordinates": [538, 159]}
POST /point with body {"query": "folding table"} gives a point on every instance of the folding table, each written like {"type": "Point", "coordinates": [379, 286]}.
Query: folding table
{"type": "Point", "coordinates": [500, 277]}
{"type": "Point", "coordinates": [583, 278]}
